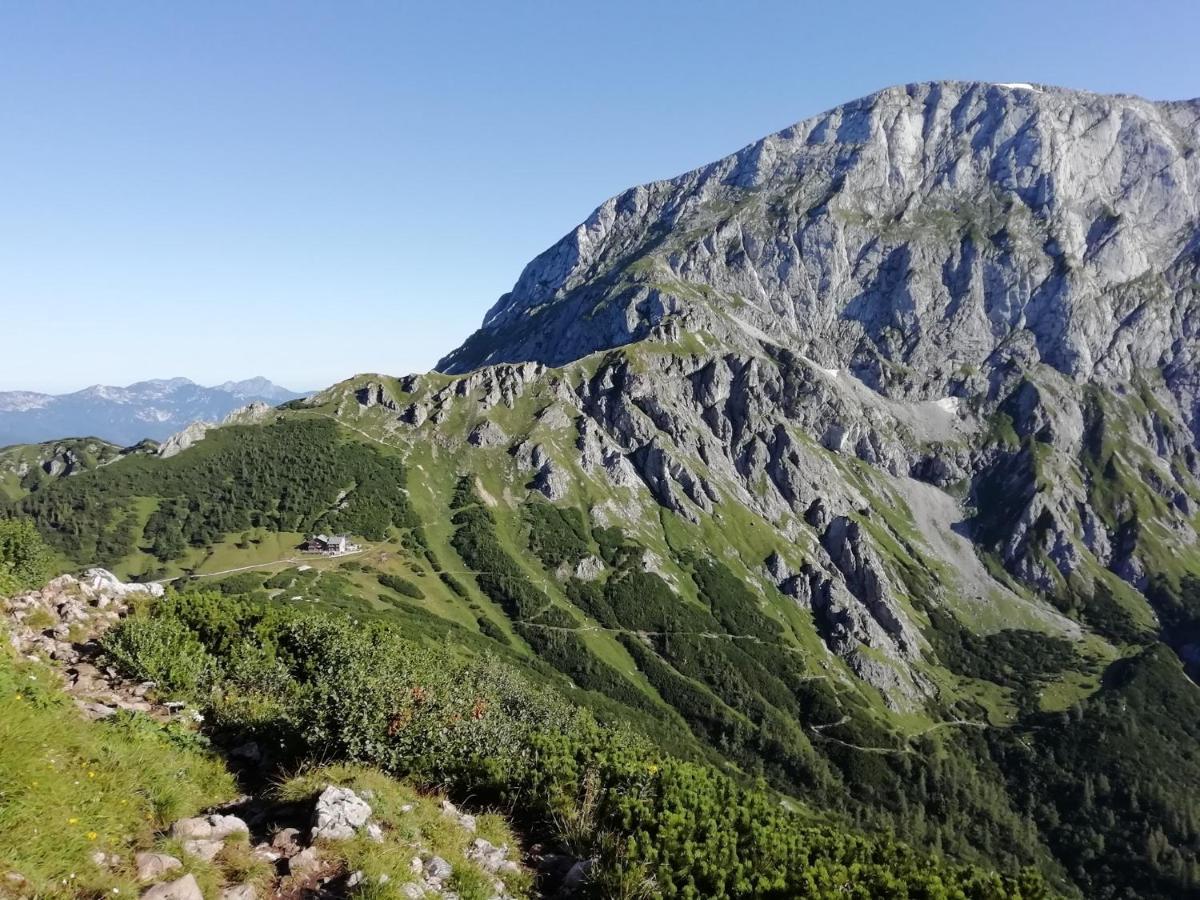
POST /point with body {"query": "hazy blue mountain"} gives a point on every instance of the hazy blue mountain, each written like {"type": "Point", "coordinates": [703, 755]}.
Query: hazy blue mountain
{"type": "Point", "coordinates": [125, 415]}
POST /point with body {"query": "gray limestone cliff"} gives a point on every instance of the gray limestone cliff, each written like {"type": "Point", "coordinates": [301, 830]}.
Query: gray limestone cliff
{"type": "Point", "coordinates": [926, 238]}
{"type": "Point", "coordinates": [946, 325]}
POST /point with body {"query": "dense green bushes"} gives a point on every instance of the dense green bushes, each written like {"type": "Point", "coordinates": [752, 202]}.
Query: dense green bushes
{"type": "Point", "coordinates": [732, 603]}
{"type": "Point", "coordinates": [1015, 658]}
{"type": "Point", "coordinates": [556, 534]}
{"type": "Point", "coordinates": [294, 475]}
{"type": "Point", "coordinates": [162, 650]}
{"type": "Point", "coordinates": [316, 686]}
{"type": "Point", "coordinates": [1112, 782]}
{"type": "Point", "coordinates": [742, 688]}
{"type": "Point", "coordinates": [401, 586]}
{"type": "Point", "coordinates": [25, 561]}
{"type": "Point", "coordinates": [456, 587]}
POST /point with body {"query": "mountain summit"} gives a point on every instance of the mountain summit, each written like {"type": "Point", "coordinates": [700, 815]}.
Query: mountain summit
{"type": "Point", "coordinates": [909, 236]}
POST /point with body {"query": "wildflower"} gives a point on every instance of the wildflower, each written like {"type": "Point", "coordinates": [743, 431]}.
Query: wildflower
{"type": "Point", "coordinates": [91, 774]}
{"type": "Point", "coordinates": [72, 821]}
{"type": "Point", "coordinates": [91, 835]}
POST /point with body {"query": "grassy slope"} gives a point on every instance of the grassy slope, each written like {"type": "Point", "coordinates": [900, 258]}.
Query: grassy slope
{"type": "Point", "coordinates": [71, 788]}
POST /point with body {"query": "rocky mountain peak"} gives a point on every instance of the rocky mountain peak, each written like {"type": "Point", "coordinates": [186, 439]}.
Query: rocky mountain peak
{"type": "Point", "coordinates": [912, 236]}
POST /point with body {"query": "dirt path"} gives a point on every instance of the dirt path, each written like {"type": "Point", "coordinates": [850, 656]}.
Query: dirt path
{"type": "Point", "coordinates": [819, 731]}
{"type": "Point", "coordinates": [261, 565]}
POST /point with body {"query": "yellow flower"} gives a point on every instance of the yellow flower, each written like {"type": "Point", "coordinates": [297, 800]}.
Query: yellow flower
{"type": "Point", "coordinates": [91, 835]}
{"type": "Point", "coordinates": [91, 774]}
{"type": "Point", "coordinates": [72, 821]}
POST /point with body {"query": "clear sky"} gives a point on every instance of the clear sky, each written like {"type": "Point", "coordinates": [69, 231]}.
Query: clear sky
{"type": "Point", "coordinates": [309, 190]}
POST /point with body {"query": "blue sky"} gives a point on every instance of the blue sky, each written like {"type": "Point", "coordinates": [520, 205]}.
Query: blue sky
{"type": "Point", "coordinates": [309, 190]}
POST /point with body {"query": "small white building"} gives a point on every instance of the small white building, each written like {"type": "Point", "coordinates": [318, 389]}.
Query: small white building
{"type": "Point", "coordinates": [330, 544]}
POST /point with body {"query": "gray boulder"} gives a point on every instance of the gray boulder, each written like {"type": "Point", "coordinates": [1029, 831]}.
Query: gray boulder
{"type": "Point", "coordinates": [338, 814]}
{"type": "Point", "coordinates": [152, 866]}
{"type": "Point", "coordinates": [185, 888]}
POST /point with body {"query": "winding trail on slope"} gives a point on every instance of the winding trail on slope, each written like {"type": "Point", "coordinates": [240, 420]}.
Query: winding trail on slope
{"type": "Point", "coordinates": [817, 730]}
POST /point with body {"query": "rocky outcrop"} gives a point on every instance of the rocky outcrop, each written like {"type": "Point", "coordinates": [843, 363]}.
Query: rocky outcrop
{"type": "Point", "coordinates": [867, 581]}
{"type": "Point", "coordinates": [185, 888]}
{"type": "Point", "coordinates": [339, 814]}
{"type": "Point", "coordinates": [153, 866]}
{"type": "Point", "coordinates": [551, 481]}
{"type": "Point", "coordinates": [487, 434]}
{"type": "Point", "coordinates": [62, 623]}
{"type": "Point", "coordinates": [587, 569]}
{"type": "Point", "coordinates": [250, 414]}
{"type": "Point", "coordinates": [373, 393]}
{"type": "Point", "coordinates": [182, 440]}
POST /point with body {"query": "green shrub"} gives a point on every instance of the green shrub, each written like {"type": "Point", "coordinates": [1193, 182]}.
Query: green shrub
{"type": "Point", "coordinates": [611, 541]}
{"type": "Point", "coordinates": [1012, 657]}
{"type": "Point", "coordinates": [456, 587]}
{"type": "Point", "coordinates": [230, 585]}
{"type": "Point", "coordinates": [25, 560]}
{"type": "Point", "coordinates": [162, 650]}
{"type": "Point", "coordinates": [490, 629]}
{"type": "Point", "coordinates": [557, 534]}
{"type": "Point", "coordinates": [401, 586]}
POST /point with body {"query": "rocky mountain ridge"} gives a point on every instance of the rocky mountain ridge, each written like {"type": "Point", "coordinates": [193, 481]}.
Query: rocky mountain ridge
{"type": "Point", "coordinates": [926, 237]}
{"type": "Point", "coordinates": [992, 290]}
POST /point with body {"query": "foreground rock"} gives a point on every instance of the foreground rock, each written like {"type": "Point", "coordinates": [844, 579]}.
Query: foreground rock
{"type": "Point", "coordinates": [339, 814]}
{"type": "Point", "coordinates": [185, 888]}
{"type": "Point", "coordinates": [152, 866]}
{"type": "Point", "coordinates": [213, 827]}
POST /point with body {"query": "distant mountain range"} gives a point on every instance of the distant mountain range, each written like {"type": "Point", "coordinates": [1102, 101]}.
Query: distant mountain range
{"type": "Point", "coordinates": [125, 415]}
